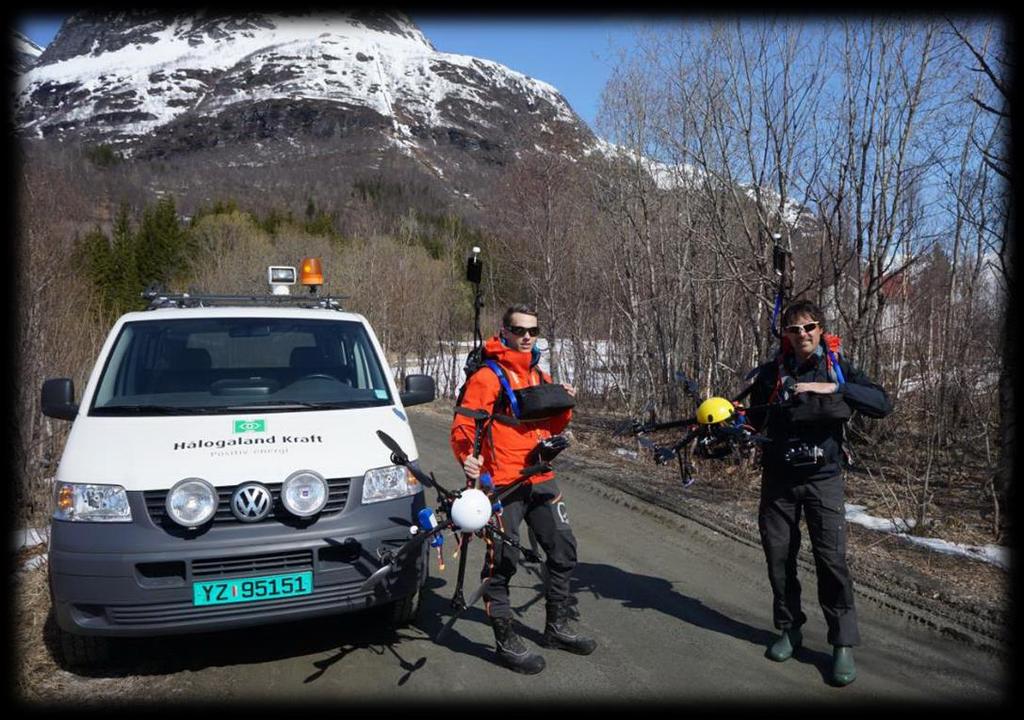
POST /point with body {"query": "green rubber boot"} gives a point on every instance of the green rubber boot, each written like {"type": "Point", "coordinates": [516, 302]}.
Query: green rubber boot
{"type": "Point", "coordinates": [844, 671]}
{"type": "Point", "coordinates": [783, 648]}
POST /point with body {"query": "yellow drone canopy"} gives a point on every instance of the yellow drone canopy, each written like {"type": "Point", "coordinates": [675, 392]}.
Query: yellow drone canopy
{"type": "Point", "coordinates": [714, 410]}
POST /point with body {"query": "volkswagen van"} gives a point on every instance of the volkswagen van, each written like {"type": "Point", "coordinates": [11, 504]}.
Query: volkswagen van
{"type": "Point", "coordinates": [222, 470]}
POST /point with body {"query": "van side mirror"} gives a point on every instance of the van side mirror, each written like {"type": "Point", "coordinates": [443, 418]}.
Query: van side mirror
{"type": "Point", "coordinates": [419, 389]}
{"type": "Point", "coordinates": [59, 399]}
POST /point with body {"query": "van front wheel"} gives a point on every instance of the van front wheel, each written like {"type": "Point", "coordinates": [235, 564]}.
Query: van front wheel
{"type": "Point", "coordinates": [84, 650]}
{"type": "Point", "coordinates": [402, 613]}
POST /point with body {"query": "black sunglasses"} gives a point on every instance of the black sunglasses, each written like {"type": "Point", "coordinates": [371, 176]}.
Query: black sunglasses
{"type": "Point", "coordinates": [807, 328]}
{"type": "Point", "coordinates": [519, 331]}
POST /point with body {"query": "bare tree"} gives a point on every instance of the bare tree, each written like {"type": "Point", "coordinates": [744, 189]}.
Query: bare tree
{"type": "Point", "coordinates": [992, 63]}
{"type": "Point", "coordinates": [58, 327]}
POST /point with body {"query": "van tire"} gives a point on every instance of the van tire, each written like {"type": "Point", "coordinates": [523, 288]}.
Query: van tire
{"type": "Point", "coordinates": [402, 613]}
{"type": "Point", "coordinates": [84, 650]}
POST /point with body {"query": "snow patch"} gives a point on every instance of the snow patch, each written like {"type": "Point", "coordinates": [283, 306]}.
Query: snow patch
{"type": "Point", "coordinates": [30, 538]}
{"type": "Point", "coordinates": [994, 554]}
{"type": "Point", "coordinates": [24, 45]}
{"type": "Point", "coordinates": [33, 562]}
{"type": "Point", "coordinates": [379, 70]}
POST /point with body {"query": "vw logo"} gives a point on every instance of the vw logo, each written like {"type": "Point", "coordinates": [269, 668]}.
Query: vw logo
{"type": "Point", "coordinates": [251, 502]}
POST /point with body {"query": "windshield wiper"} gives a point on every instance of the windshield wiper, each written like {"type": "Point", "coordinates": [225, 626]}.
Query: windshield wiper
{"type": "Point", "coordinates": [369, 402]}
{"type": "Point", "coordinates": [283, 404]}
{"type": "Point", "coordinates": [275, 404]}
{"type": "Point", "coordinates": [148, 409]}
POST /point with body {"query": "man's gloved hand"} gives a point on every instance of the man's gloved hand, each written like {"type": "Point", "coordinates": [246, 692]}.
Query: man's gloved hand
{"type": "Point", "coordinates": [548, 449]}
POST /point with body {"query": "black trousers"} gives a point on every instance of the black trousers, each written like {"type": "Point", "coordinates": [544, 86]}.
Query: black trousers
{"type": "Point", "coordinates": [543, 509]}
{"type": "Point", "coordinates": [782, 501]}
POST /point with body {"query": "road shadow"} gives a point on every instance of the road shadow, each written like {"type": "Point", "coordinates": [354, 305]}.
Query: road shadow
{"type": "Point", "coordinates": [646, 592]}
{"type": "Point", "coordinates": [341, 635]}
{"type": "Point", "coordinates": [437, 610]}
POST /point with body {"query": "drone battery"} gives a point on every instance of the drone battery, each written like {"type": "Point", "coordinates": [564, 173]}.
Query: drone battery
{"type": "Point", "coordinates": [427, 519]}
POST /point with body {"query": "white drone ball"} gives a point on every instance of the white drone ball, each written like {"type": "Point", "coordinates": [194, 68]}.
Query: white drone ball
{"type": "Point", "coordinates": [471, 510]}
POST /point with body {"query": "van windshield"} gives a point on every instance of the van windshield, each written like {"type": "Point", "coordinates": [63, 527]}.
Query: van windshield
{"type": "Point", "coordinates": [200, 365]}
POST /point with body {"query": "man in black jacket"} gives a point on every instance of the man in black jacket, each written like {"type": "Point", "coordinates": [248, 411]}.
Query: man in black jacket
{"type": "Point", "coordinates": [802, 472]}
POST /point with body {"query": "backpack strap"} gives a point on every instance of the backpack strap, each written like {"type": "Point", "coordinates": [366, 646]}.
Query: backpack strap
{"type": "Point", "coordinates": [513, 403]}
{"type": "Point", "coordinates": [834, 365]}
{"type": "Point", "coordinates": [780, 372]}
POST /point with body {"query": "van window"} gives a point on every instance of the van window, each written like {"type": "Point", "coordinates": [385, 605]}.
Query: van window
{"type": "Point", "coordinates": [182, 366]}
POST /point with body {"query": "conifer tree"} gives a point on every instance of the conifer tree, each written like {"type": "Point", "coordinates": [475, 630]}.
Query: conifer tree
{"type": "Point", "coordinates": [123, 286]}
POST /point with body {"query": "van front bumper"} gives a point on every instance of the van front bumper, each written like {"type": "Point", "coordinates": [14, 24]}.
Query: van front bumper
{"type": "Point", "coordinates": [136, 580]}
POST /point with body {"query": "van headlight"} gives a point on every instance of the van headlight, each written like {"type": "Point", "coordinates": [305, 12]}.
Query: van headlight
{"type": "Point", "coordinates": [304, 493]}
{"type": "Point", "coordinates": [388, 483]}
{"type": "Point", "coordinates": [91, 503]}
{"type": "Point", "coordinates": [191, 502]}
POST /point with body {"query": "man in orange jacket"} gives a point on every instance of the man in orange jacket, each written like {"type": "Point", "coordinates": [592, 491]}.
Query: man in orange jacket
{"type": "Point", "coordinates": [505, 452]}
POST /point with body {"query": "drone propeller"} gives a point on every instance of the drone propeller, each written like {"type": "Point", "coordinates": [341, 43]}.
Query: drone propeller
{"type": "Point", "coordinates": [689, 385]}
{"type": "Point", "coordinates": [398, 454]}
{"type": "Point", "coordinates": [663, 455]}
{"type": "Point", "coordinates": [399, 457]}
{"type": "Point", "coordinates": [378, 576]}
{"type": "Point", "coordinates": [477, 594]}
{"type": "Point", "coordinates": [399, 557]}
{"type": "Point", "coordinates": [626, 427]}
{"type": "Point", "coordinates": [646, 442]}
{"type": "Point", "coordinates": [634, 425]}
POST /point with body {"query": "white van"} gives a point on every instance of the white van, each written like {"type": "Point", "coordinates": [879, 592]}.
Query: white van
{"type": "Point", "coordinates": [223, 471]}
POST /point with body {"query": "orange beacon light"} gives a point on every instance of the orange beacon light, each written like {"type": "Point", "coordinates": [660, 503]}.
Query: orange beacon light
{"type": "Point", "coordinates": [311, 273]}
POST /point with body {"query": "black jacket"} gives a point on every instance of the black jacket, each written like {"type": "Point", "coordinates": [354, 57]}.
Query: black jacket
{"type": "Point", "coordinates": [858, 392]}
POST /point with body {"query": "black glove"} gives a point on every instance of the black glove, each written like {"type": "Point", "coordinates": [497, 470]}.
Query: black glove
{"type": "Point", "coordinates": [548, 449]}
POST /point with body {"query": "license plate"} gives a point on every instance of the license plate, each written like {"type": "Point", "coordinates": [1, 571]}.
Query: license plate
{"type": "Point", "coordinates": [240, 590]}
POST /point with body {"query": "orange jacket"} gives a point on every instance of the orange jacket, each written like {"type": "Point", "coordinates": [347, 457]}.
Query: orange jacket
{"type": "Point", "coordinates": [505, 448]}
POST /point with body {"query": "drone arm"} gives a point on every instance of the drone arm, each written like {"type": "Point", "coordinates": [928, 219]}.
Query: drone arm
{"type": "Point", "coordinates": [529, 554]}
{"type": "Point", "coordinates": [668, 425]}
{"type": "Point", "coordinates": [525, 475]}
{"type": "Point", "coordinates": [686, 439]}
{"type": "Point", "coordinates": [458, 600]}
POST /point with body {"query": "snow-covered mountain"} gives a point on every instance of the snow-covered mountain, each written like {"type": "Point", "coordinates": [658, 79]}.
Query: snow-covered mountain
{"type": "Point", "coordinates": [26, 53]}
{"type": "Point", "coordinates": [157, 85]}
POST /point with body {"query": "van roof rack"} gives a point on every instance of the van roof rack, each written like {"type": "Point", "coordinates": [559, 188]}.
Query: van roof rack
{"type": "Point", "coordinates": [159, 299]}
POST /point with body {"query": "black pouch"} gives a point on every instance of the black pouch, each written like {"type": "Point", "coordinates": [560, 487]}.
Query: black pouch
{"type": "Point", "coordinates": [543, 401]}
{"type": "Point", "coordinates": [813, 408]}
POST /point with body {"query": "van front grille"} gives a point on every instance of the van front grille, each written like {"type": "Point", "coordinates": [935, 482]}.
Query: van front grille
{"type": "Point", "coordinates": [266, 564]}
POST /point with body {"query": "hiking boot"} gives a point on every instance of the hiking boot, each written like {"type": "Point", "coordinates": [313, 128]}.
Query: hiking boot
{"type": "Point", "coordinates": [512, 651]}
{"type": "Point", "coordinates": [844, 671]}
{"type": "Point", "coordinates": [787, 644]}
{"type": "Point", "coordinates": [560, 632]}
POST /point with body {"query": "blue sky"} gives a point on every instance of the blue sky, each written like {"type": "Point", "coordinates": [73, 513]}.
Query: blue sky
{"type": "Point", "coordinates": [574, 54]}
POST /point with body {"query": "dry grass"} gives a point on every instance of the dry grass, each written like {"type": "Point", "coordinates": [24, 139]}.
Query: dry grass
{"type": "Point", "coordinates": [39, 678]}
